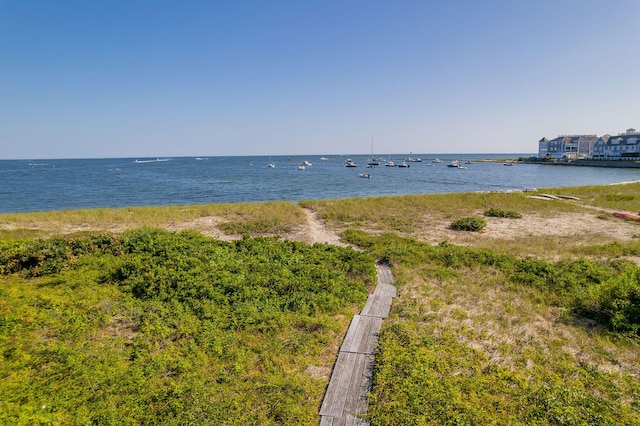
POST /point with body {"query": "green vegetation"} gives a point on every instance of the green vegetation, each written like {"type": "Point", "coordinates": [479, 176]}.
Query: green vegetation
{"type": "Point", "coordinates": [494, 212]}
{"type": "Point", "coordinates": [478, 337]}
{"type": "Point", "coordinates": [107, 321]}
{"type": "Point", "coordinates": [408, 213]}
{"type": "Point", "coordinates": [154, 327]}
{"type": "Point", "coordinates": [618, 197]}
{"type": "Point", "coordinates": [243, 218]}
{"type": "Point", "coordinates": [473, 224]}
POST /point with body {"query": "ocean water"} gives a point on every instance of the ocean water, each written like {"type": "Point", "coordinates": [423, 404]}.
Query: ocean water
{"type": "Point", "coordinates": [37, 185]}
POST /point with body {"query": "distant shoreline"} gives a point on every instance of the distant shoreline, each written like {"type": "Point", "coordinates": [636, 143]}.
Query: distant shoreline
{"type": "Point", "coordinates": [78, 184]}
{"type": "Point", "coordinates": [618, 164]}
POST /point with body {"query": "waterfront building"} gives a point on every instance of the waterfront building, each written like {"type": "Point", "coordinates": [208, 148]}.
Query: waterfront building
{"type": "Point", "coordinates": [567, 146]}
{"type": "Point", "coordinates": [571, 147]}
{"type": "Point", "coordinates": [623, 145]}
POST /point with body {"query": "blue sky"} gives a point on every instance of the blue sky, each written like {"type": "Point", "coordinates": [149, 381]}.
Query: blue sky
{"type": "Point", "coordinates": [83, 79]}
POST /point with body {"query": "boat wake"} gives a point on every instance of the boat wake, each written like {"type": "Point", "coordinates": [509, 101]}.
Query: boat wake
{"type": "Point", "coordinates": [157, 160]}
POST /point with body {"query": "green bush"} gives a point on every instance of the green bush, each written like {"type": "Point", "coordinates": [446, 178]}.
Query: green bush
{"type": "Point", "coordinates": [511, 214]}
{"type": "Point", "coordinates": [616, 303]}
{"type": "Point", "coordinates": [606, 291]}
{"type": "Point", "coordinates": [157, 327]}
{"type": "Point", "coordinates": [254, 227]}
{"type": "Point", "coordinates": [441, 365]}
{"type": "Point", "coordinates": [473, 224]}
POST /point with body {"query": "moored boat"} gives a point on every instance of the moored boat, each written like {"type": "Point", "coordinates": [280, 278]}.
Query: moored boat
{"type": "Point", "coordinates": [414, 160]}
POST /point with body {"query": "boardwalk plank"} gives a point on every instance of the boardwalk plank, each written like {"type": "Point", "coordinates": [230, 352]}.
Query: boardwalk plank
{"type": "Point", "coordinates": [384, 275]}
{"type": "Point", "coordinates": [362, 335]}
{"type": "Point", "coordinates": [357, 402]}
{"type": "Point", "coordinates": [339, 386]}
{"type": "Point", "coordinates": [346, 395]}
{"type": "Point", "coordinates": [327, 421]}
{"type": "Point", "coordinates": [348, 420]}
{"type": "Point", "coordinates": [377, 306]}
{"type": "Point", "coordinates": [351, 335]}
{"type": "Point", "coordinates": [385, 290]}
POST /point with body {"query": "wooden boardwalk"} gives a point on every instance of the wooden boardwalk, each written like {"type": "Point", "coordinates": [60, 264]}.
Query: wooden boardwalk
{"type": "Point", "coordinates": [346, 396]}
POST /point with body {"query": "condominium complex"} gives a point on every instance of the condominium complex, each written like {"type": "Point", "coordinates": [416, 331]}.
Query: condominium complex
{"type": "Point", "coordinates": [571, 147]}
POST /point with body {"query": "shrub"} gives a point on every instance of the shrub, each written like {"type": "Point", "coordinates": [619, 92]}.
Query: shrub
{"type": "Point", "coordinates": [157, 327]}
{"type": "Point", "coordinates": [616, 303]}
{"type": "Point", "coordinates": [473, 224]}
{"type": "Point", "coordinates": [511, 214]}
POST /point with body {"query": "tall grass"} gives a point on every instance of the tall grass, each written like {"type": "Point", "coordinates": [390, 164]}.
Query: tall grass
{"type": "Point", "coordinates": [479, 337]}
{"type": "Point", "coordinates": [151, 326]}
{"type": "Point", "coordinates": [625, 197]}
{"type": "Point", "coordinates": [406, 213]}
{"type": "Point", "coordinates": [240, 218]}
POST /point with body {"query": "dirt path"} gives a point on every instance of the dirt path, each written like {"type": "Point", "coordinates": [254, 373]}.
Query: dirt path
{"type": "Point", "coordinates": [317, 232]}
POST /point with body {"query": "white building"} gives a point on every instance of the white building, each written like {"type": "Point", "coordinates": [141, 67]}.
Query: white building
{"type": "Point", "coordinates": [623, 145]}
{"type": "Point", "coordinates": [571, 147]}
{"type": "Point", "coordinates": [567, 146]}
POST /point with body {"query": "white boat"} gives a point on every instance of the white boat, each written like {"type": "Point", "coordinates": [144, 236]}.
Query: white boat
{"type": "Point", "coordinates": [454, 163]}
{"type": "Point", "coordinates": [373, 162]}
{"type": "Point", "coordinates": [365, 175]}
{"type": "Point", "coordinates": [151, 161]}
{"type": "Point", "coordinates": [414, 160]}
{"type": "Point", "coordinates": [324, 159]}
{"type": "Point", "coordinates": [270, 164]}
{"type": "Point", "coordinates": [301, 167]}
{"type": "Point", "coordinates": [403, 165]}
{"type": "Point", "coordinates": [350, 163]}
{"type": "Point", "coordinates": [436, 160]}
{"type": "Point", "coordinates": [508, 163]}
{"type": "Point", "coordinates": [390, 164]}
{"type": "Point", "coordinates": [306, 163]}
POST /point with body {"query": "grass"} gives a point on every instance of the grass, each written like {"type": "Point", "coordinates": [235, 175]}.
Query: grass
{"type": "Point", "coordinates": [147, 325]}
{"type": "Point", "coordinates": [477, 337]}
{"type": "Point", "coordinates": [154, 327]}
{"type": "Point", "coordinates": [511, 214]}
{"type": "Point", "coordinates": [242, 218]}
{"type": "Point", "coordinates": [473, 224]}
{"type": "Point", "coordinates": [618, 197]}
{"type": "Point", "coordinates": [405, 214]}
{"type": "Point", "coordinates": [428, 217]}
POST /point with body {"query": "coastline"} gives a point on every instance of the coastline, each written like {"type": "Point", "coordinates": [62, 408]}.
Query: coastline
{"type": "Point", "coordinates": [617, 164]}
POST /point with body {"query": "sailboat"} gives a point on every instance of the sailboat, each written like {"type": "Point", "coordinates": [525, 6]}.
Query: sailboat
{"type": "Point", "coordinates": [270, 164]}
{"type": "Point", "coordinates": [372, 161]}
{"type": "Point", "coordinates": [414, 160]}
